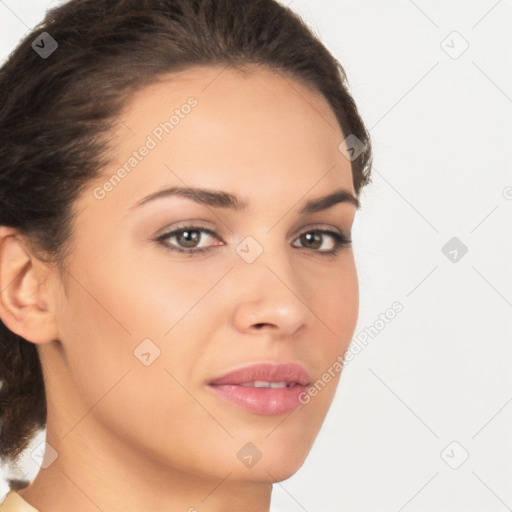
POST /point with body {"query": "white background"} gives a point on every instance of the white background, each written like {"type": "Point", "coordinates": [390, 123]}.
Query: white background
{"type": "Point", "coordinates": [434, 385]}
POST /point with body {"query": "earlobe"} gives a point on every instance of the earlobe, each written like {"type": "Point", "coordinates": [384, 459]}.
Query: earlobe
{"type": "Point", "coordinates": [24, 300]}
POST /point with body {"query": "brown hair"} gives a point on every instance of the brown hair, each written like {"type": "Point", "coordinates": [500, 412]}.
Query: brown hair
{"type": "Point", "coordinates": [56, 114]}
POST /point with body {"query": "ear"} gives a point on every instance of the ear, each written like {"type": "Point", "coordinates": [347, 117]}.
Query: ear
{"type": "Point", "coordinates": [26, 302]}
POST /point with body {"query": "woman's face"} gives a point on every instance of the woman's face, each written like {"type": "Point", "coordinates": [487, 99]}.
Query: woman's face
{"type": "Point", "coordinates": [146, 328]}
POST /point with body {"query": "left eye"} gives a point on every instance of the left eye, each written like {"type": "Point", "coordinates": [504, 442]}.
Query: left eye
{"type": "Point", "coordinates": [187, 238]}
{"type": "Point", "coordinates": [315, 237]}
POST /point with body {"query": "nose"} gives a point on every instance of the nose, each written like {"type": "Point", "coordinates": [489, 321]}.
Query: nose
{"type": "Point", "coordinates": [270, 296]}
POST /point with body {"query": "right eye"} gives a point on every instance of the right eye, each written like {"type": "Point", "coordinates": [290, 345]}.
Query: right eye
{"type": "Point", "coordinates": [186, 237]}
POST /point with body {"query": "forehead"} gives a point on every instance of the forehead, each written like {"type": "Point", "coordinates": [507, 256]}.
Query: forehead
{"type": "Point", "coordinates": [251, 130]}
{"type": "Point", "coordinates": [253, 103]}
{"type": "Point", "coordinates": [250, 84]}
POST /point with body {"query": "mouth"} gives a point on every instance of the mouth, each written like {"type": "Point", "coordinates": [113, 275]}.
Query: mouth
{"type": "Point", "coordinates": [263, 388]}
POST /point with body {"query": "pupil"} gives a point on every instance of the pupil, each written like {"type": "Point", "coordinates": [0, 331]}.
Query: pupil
{"type": "Point", "coordinates": [190, 236]}
{"type": "Point", "coordinates": [310, 237]}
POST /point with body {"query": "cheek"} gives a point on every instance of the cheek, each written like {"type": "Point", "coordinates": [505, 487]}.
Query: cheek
{"type": "Point", "coordinates": [97, 346]}
{"type": "Point", "coordinates": [127, 320]}
{"type": "Point", "coordinates": [336, 303]}
{"type": "Point", "coordinates": [114, 387]}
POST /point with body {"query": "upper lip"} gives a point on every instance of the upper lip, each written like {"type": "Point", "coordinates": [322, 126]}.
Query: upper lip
{"type": "Point", "coordinates": [270, 372]}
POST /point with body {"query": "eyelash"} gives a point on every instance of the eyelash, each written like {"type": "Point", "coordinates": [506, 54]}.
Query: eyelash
{"type": "Point", "coordinates": [340, 239]}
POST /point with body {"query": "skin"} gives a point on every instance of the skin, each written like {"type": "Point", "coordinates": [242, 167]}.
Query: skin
{"type": "Point", "coordinates": [131, 437]}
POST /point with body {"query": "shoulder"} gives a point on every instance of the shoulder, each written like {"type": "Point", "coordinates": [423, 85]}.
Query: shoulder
{"type": "Point", "coordinates": [13, 502]}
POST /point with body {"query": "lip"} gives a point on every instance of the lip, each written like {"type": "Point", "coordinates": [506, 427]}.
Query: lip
{"type": "Point", "coordinates": [259, 400]}
{"type": "Point", "coordinates": [271, 372]}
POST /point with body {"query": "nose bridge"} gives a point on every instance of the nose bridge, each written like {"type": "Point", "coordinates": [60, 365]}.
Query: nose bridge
{"type": "Point", "coordinates": [263, 257]}
{"type": "Point", "coordinates": [270, 289]}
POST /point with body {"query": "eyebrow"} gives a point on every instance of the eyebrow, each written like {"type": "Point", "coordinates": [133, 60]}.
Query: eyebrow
{"type": "Point", "coordinates": [221, 199]}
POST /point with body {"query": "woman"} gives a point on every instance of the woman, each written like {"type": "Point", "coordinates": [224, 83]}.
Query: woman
{"type": "Point", "coordinates": [179, 180]}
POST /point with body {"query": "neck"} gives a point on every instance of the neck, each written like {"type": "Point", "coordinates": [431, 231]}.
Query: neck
{"type": "Point", "coordinates": [94, 472]}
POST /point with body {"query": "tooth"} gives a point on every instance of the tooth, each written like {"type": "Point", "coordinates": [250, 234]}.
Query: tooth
{"type": "Point", "coordinates": [261, 384]}
{"type": "Point", "coordinates": [266, 384]}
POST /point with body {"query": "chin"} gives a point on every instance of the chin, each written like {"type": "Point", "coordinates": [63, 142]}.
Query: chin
{"type": "Point", "coordinates": [277, 463]}
{"type": "Point", "coordinates": [269, 473]}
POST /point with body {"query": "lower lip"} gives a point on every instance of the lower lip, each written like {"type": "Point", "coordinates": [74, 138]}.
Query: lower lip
{"type": "Point", "coordinates": [267, 401]}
